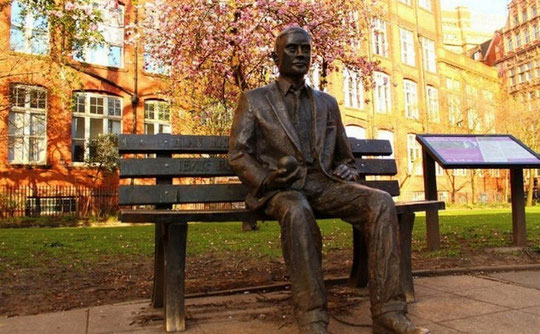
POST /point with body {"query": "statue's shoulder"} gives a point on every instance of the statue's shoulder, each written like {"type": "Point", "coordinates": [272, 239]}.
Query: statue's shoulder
{"type": "Point", "coordinates": [263, 90]}
{"type": "Point", "coordinates": [324, 96]}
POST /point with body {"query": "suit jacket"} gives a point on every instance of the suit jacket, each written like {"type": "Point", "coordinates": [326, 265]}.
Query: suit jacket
{"type": "Point", "coordinates": [262, 133]}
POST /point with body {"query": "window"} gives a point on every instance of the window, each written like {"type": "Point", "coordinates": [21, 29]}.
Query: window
{"type": "Point", "coordinates": [379, 38]}
{"type": "Point", "coordinates": [454, 111]}
{"type": "Point", "coordinates": [414, 153]}
{"type": "Point", "coordinates": [426, 4]}
{"type": "Point", "coordinates": [382, 93]}
{"type": "Point", "coordinates": [407, 2]}
{"type": "Point", "coordinates": [153, 65]}
{"type": "Point", "coordinates": [433, 104]}
{"type": "Point", "coordinates": [387, 135]}
{"type": "Point", "coordinates": [453, 84]}
{"type": "Point", "coordinates": [29, 31]}
{"type": "Point", "coordinates": [93, 115]}
{"type": "Point", "coordinates": [533, 12]}
{"type": "Point", "coordinates": [411, 99]}
{"type": "Point", "coordinates": [512, 76]}
{"type": "Point", "coordinates": [495, 172]}
{"type": "Point", "coordinates": [474, 120]}
{"type": "Point", "coordinates": [407, 47]}
{"type": "Point", "coordinates": [518, 39]}
{"type": "Point", "coordinates": [509, 44]}
{"type": "Point", "coordinates": [524, 15]}
{"type": "Point", "coordinates": [353, 89]}
{"type": "Point", "coordinates": [516, 20]}
{"type": "Point", "coordinates": [313, 77]}
{"type": "Point", "coordinates": [27, 128]}
{"type": "Point", "coordinates": [428, 51]}
{"type": "Point", "coordinates": [536, 33]}
{"type": "Point", "coordinates": [111, 52]}
{"type": "Point", "coordinates": [439, 171]}
{"type": "Point", "coordinates": [460, 172]}
{"type": "Point", "coordinates": [157, 118]}
{"type": "Point", "coordinates": [355, 131]}
{"type": "Point", "coordinates": [527, 35]}
{"type": "Point", "coordinates": [489, 119]}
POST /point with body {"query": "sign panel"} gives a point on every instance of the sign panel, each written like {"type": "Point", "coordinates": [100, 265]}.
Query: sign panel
{"type": "Point", "coordinates": [474, 151]}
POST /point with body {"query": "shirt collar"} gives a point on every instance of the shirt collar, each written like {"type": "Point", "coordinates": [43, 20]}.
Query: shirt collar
{"type": "Point", "coordinates": [285, 85]}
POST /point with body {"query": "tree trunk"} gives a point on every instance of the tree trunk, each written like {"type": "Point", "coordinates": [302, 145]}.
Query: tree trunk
{"type": "Point", "coordinates": [530, 188]}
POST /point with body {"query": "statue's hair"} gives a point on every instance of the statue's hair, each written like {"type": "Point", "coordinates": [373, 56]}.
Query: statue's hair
{"type": "Point", "coordinates": [287, 31]}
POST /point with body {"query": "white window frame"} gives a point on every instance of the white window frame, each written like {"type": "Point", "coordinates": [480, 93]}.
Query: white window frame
{"type": "Point", "coordinates": [383, 93]}
{"type": "Point", "coordinates": [34, 30]}
{"type": "Point", "coordinates": [379, 38]}
{"type": "Point", "coordinates": [414, 152]}
{"type": "Point", "coordinates": [112, 30]}
{"type": "Point", "coordinates": [425, 4]}
{"type": "Point", "coordinates": [111, 114]}
{"type": "Point", "coordinates": [432, 97]}
{"type": "Point", "coordinates": [410, 91]}
{"type": "Point", "coordinates": [387, 135]}
{"type": "Point", "coordinates": [313, 78]}
{"type": "Point", "coordinates": [353, 89]}
{"type": "Point", "coordinates": [157, 116]}
{"type": "Point", "coordinates": [355, 131]}
{"type": "Point", "coordinates": [408, 54]}
{"type": "Point", "coordinates": [25, 114]}
{"type": "Point", "coordinates": [428, 52]}
{"type": "Point", "coordinates": [455, 116]}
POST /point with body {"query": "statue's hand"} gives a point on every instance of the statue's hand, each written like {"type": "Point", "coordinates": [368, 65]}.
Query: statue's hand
{"type": "Point", "coordinates": [345, 172]}
{"type": "Point", "coordinates": [281, 178]}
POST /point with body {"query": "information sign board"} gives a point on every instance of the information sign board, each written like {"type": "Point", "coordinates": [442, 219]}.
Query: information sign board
{"type": "Point", "coordinates": [479, 151]}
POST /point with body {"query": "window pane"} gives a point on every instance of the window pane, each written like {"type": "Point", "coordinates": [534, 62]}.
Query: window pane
{"type": "Point", "coordinates": [39, 43]}
{"type": "Point", "coordinates": [115, 56]}
{"type": "Point", "coordinates": [16, 123]}
{"type": "Point", "coordinates": [149, 128]}
{"type": "Point", "coordinates": [113, 107]}
{"type": "Point", "coordinates": [96, 127]}
{"type": "Point", "coordinates": [15, 149]}
{"type": "Point", "coordinates": [36, 150]}
{"type": "Point", "coordinates": [37, 125]}
{"type": "Point", "coordinates": [78, 151]}
{"type": "Point", "coordinates": [78, 127]}
{"type": "Point", "coordinates": [17, 39]}
{"type": "Point", "coordinates": [114, 127]}
{"type": "Point", "coordinates": [96, 105]}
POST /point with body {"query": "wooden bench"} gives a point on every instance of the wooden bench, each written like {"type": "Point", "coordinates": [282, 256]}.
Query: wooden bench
{"type": "Point", "coordinates": [166, 157]}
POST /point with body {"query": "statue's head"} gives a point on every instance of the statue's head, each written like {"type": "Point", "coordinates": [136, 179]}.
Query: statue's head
{"type": "Point", "coordinates": [292, 52]}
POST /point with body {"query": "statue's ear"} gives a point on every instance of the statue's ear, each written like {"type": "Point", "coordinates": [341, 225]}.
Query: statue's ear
{"type": "Point", "coordinates": [274, 57]}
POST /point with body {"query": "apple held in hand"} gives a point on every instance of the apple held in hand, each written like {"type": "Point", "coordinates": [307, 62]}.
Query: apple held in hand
{"type": "Point", "coordinates": [288, 163]}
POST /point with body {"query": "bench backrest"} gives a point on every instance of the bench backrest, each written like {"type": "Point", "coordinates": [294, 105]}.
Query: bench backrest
{"type": "Point", "coordinates": [165, 157]}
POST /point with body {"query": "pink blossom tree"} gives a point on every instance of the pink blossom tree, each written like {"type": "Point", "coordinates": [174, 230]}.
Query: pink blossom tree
{"type": "Point", "coordinates": [216, 49]}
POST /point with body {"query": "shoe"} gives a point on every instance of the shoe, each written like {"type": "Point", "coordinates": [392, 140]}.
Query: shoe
{"type": "Point", "coordinates": [396, 323]}
{"type": "Point", "coordinates": [318, 327]}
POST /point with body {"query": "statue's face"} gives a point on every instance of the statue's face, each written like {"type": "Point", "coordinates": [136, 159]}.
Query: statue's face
{"type": "Point", "coordinates": [293, 54]}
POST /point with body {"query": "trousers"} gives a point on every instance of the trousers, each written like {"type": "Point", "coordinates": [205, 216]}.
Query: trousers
{"type": "Point", "coordinates": [371, 210]}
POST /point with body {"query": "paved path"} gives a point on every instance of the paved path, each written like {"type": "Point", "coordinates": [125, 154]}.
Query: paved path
{"type": "Point", "coordinates": [506, 303]}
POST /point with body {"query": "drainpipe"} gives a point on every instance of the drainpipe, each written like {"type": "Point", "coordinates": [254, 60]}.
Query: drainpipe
{"type": "Point", "coordinates": [135, 96]}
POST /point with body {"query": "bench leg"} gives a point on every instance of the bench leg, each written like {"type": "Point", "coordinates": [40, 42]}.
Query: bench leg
{"type": "Point", "coordinates": [159, 266]}
{"type": "Point", "coordinates": [359, 270]}
{"type": "Point", "coordinates": [175, 263]}
{"type": "Point", "coordinates": [406, 223]}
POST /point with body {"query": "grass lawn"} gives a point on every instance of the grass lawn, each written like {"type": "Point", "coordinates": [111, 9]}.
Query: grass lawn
{"type": "Point", "coordinates": [33, 247]}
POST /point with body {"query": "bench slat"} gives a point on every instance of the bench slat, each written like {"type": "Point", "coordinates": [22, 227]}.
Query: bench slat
{"type": "Point", "coordinates": [164, 142]}
{"type": "Point", "coordinates": [173, 216]}
{"type": "Point", "coordinates": [206, 193]}
{"type": "Point", "coordinates": [208, 167]}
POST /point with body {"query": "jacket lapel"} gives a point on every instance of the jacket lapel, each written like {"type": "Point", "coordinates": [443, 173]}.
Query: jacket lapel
{"type": "Point", "coordinates": [275, 99]}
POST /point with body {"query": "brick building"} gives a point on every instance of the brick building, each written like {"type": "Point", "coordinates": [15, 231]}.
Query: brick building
{"type": "Point", "coordinates": [421, 88]}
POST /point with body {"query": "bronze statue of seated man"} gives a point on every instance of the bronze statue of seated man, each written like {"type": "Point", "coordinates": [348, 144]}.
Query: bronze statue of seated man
{"type": "Point", "coordinates": [288, 146]}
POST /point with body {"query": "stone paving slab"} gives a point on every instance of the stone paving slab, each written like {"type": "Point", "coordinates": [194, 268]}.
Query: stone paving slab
{"type": "Point", "coordinates": [67, 322]}
{"type": "Point", "coordinates": [449, 305]}
{"type": "Point", "coordinates": [510, 296]}
{"type": "Point", "coordinates": [530, 279]}
{"type": "Point", "coordinates": [511, 322]}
